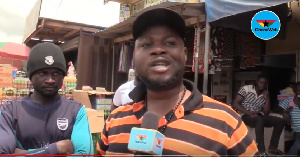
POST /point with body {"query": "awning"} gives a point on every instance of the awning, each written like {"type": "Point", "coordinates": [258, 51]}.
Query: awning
{"type": "Point", "coordinates": [122, 31]}
{"type": "Point", "coordinates": [217, 9]}
{"type": "Point", "coordinates": [14, 50]}
{"type": "Point", "coordinates": [242, 21]}
{"type": "Point", "coordinates": [62, 33]}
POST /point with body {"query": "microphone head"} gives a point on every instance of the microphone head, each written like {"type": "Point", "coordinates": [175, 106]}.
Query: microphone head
{"type": "Point", "coordinates": [150, 120]}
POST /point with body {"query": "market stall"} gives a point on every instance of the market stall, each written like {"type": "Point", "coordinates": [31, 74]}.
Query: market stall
{"type": "Point", "coordinates": [121, 37]}
{"type": "Point", "coordinates": [234, 17]}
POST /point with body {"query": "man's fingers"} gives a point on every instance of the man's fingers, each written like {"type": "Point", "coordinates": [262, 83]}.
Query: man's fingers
{"type": "Point", "coordinates": [17, 151]}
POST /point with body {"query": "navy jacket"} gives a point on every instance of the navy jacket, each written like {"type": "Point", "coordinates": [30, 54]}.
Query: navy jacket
{"type": "Point", "coordinates": [30, 126]}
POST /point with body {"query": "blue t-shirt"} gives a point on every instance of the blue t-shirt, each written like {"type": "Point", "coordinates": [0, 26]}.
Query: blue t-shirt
{"type": "Point", "coordinates": [294, 113]}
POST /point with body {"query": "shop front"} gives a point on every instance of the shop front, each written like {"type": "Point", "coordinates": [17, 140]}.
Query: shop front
{"type": "Point", "coordinates": [122, 42]}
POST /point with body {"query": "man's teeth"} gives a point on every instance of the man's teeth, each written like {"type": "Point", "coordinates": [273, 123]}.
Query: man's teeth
{"type": "Point", "coordinates": [161, 64]}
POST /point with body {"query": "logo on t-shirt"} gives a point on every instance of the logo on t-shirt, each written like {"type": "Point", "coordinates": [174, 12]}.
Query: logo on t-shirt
{"type": "Point", "coordinates": [62, 123]}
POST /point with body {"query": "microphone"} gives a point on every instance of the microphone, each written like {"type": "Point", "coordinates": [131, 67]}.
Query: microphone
{"type": "Point", "coordinates": [147, 140]}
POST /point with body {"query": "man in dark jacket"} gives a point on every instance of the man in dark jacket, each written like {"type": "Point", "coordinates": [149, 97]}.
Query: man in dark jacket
{"type": "Point", "coordinates": [44, 123]}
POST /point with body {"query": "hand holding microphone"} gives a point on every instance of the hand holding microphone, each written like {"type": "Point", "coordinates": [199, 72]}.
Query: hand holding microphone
{"type": "Point", "coordinates": [147, 140]}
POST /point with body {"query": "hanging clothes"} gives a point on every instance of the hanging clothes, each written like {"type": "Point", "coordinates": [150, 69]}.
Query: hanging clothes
{"type": "Point", "coordinates": [126, 57]}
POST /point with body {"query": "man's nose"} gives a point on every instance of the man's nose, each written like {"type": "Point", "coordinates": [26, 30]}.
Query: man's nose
{"type": "Point", "coordinates": [158, 50]}
{"type": "Point", "coordinates": [50, 79]}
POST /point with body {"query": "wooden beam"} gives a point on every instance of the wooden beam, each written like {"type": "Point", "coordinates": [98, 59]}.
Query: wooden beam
{"type": "Point", "coordinates": [189, 22]}
{"type": "Point", "coordinates": [124, 1]}
{"type": "Point", "coordinates": [65, 25]}
{"type": "Point", "coordinates": [118, 28]}
{"type": "Point", "coordinates": [107, 36]}
{"type": "Point", "coordinates": [191, 12]}
{"type": "Point", "coordinates": [69, 34]}
{"type": "Point", "coordinates": [70, 45]}
{"type": "Point", "coordinates": [123, 38]}
{"type": "Point", "coordinates": [193, 20]}
{"type": "Point", "coordinates": [57, 37]}
{"type": "Point", "coordinates": [50, 36]}
{"type": "Point", "coordinates": [57, 29]}
{"type": "Point", "coordinates": [188, 9]}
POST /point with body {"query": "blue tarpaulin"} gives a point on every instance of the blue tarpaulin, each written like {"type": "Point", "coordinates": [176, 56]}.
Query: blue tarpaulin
{"type": "Point", "coordinates": [217, 9]}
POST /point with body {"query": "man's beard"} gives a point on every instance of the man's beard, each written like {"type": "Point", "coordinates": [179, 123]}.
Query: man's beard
{"type": "Point", "coordinates": [157, 85]}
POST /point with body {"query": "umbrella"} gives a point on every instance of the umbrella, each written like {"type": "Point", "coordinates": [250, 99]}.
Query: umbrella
{"type": "Point", "coordinates": [14, 50]}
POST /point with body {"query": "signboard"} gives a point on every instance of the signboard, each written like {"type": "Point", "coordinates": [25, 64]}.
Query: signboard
{"type": "Point", "coordinates": [32, 19]}
{"type": "Point", "coordinates": [124, 12]}
{"type": "Point", "coordinates": [5, 75]}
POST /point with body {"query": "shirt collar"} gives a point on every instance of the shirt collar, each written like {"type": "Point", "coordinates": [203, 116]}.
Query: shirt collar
{"type": "Point", "coordinates": [193, 102]}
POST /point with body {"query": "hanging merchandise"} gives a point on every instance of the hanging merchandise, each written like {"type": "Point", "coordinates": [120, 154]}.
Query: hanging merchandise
{"type": "Point", "coordinates": [121, 58]}
{"type": "Point", "coordinates": [189, 44]}
{"type": "Point", "coordinates": [222, 45]}
{"type": "Point", "coordinates": [228, 48]}
{"type": "Point", "coordinates": [201, 52]}
{"type": "Point", "coordinates": [212, 69]}
{"type": "Point", "coordinates": [126, 55]}
{"type": "Point", "coordinates": [248, 51]}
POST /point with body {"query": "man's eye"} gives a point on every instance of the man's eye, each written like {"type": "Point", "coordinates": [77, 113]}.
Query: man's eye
{"type": "Point", "coordinates": [42, 73]}
{"type": "Point", "coordinates": [146, 45]}
{"type": "Point", "coordinates": [170, 43]}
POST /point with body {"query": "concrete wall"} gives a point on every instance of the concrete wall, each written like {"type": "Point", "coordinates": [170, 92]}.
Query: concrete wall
{"type": "Point", "coordinates": [289, 45]}
{"type": "Point", "coordinates": [292, 41]}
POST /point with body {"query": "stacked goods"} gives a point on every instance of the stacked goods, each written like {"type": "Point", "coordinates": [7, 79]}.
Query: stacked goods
{"type": "Point", "coordinates": [69, 86]}
{"type": "Point", "coordinates": [70, 81]}
{"type": "Point", "coordinates": [22, 93]}
{"type": "Point", "coordinates": [22, 86]}
{"type": "Point", "coordinates": [103, 103]}
{"type": "Point", "coordinates": [95, 137]}
{"type": "Point", "coordinates": [9, 94]}
{"type": "Point", "coordinates": [15, 86]}
{"type": "Point", "coordinates": [20, 83]}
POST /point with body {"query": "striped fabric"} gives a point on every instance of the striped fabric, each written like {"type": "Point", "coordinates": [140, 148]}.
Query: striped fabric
{"type": "Point", "coordinates": [201, 126]}
{"type": "Point", "coordinates": [252, 102]}
{"type": "Point", "coordinates": [294, 113]}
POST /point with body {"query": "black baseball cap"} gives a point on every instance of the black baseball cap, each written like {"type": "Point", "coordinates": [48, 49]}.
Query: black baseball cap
{"type": "Point", "coordinates": [158, 17]}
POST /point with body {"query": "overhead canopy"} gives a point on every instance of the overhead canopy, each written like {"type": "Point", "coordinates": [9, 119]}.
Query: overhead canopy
{"type": "Point", "coordinates": [189, 11]}
{"type": "Point", "coordinates": [217, 9]}
{"type": "Point", "coordinates": [64, 33]}
{"type": "Point", "coordinates": [14, 50]}
{"type": "Point", "coordinates": [242, 21]}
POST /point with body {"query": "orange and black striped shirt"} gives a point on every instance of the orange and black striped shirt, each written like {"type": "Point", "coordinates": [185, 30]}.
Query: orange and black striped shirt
{"type": "Point", "coordinates": [201, 126]}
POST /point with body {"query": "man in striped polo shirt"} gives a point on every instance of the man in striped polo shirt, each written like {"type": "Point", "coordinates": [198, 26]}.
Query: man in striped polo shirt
{"type": "Point", "coordinates": [253, 104]}
{"type": "Point", "coordinates": [192, 123]}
